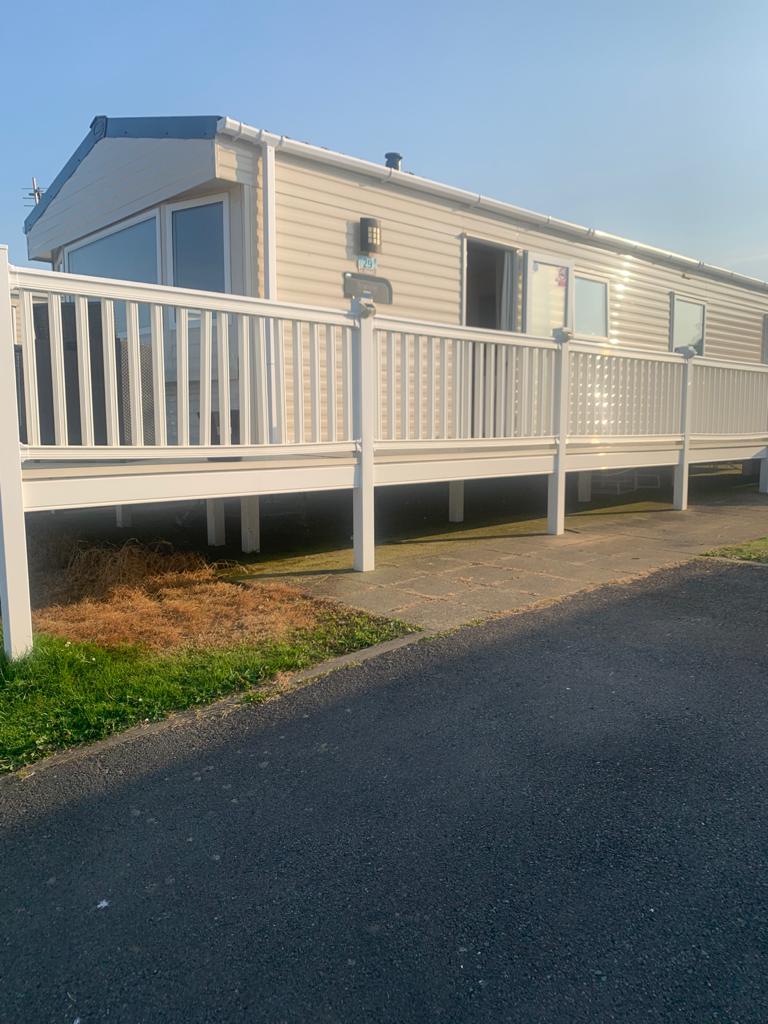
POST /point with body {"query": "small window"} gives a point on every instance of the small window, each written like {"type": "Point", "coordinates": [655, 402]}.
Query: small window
{"type": "Point", "coordinates": [494, 287]}
{"type": "Point", "coordinates": [548, 299]}
{"type": "Point", "coordinates": [198, 247]}
{"type": "Point", "coordinates": [129, 254]}
{"type": "Point", "coordinates": [687, 324]}
{"type": "Point", "coordinates": [591, 312]}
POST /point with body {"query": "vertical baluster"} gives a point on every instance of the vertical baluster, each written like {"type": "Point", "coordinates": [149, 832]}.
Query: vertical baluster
{"type": "Point", "coordinates": [182, 377]}
{"type": "Point", "coordinates": [525, 385]}
{"type": "Point", "coordinates": [378, 387]}
{"type": "Point", "coordinates": [298, 382]}
{"type": "Point", "coordinates": [512, 394]}
{"type": "Point", "coordinates": [314, 384]}
{"type": "Point", "coordinates": [499, 427]}
{"type": "Point", "coordinates": [330, 374]}
{"type": "Point", "coordinates": [391, 386]}
{"type": "Point", "coordinates": [110, 372]}
{"type": "Point", "coordinates": [136, 415]}
{"type": "Point", "coordinates": [84, 369]}
{"type": "Point", "coordinates": [206, 375]}
{"type": "Point", "coordinates": [455, 413]}
{"type": "Point", "coordinates": [29, 363]}
{"type": "Point", "coordinates": [346, 377]}
{"type": "Point", "coordinates": [57, 371]}
{"type": "Point", "coordinates": [262, 382]}
{"type": "Point", "coordinates": [443, 388]}
{"type": "Point", "coordinates": [469, 386]}
{"type": "Point", "coordinates": [478, 389]}
{"type": "Point", "coordinates": [244, 377]}
{"type": "Point", "coordinates": [158, 377]}
{"type": "Point", "coordinates": [405, 401]}
{"type": "Point", "coordinates": [280, 382]}
{"type": "Point", "coordinates": [431, 387]}
{"type": "Point", "coordinates": [417, 387]}
{"type": "Point", "coordinates": [222, 366]}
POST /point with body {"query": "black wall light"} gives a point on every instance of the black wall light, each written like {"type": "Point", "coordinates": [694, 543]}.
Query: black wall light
{"type": "Point", "coordinates": [370, 235]}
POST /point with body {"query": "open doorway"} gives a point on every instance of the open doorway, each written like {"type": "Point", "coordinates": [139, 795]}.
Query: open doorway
{"type": "Point", "coordinates": [494, 287]}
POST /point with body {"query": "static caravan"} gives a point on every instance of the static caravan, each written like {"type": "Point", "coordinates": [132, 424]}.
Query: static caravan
{"type": "Point", "coordinates": [233, 313]}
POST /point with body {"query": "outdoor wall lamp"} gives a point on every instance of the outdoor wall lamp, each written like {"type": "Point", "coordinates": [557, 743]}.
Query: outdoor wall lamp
{"type": "Point", "coordinates": [370, 235]}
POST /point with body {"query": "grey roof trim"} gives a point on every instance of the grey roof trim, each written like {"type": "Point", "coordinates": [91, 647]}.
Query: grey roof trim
{"type": "Point", "coordinates": [199, 127]}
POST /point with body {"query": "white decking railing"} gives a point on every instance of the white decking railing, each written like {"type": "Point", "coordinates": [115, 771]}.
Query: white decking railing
{"type": "Point", "coordinates": [118, 392]}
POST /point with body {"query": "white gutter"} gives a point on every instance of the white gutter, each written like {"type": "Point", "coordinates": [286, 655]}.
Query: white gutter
{"type": "Point", "coordinates": [259, 136]}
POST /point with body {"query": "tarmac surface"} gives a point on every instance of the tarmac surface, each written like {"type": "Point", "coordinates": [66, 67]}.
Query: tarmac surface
{"type": "Point", "coordinates": [557, 816]}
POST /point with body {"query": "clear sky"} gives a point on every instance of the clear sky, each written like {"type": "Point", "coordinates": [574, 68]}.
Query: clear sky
{"type": "Point", "coordinates": [647, 119]}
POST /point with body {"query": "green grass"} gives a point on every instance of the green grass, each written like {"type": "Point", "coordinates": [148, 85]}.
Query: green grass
{"type": "Point", "coordinates": [751, 551]}
{"type": "Point", "coordinates": [63, 694]}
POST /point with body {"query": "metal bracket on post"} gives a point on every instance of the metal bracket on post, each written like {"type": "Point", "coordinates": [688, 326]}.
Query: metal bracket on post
{"type": "Point", "coordinates": [364, 421]}
{"type": "Point", "coordinates": [556, 482]}
{"type": "Point", "coordinates": [14, 568]}
{"type": "Point", "coordinates": [680, 496]}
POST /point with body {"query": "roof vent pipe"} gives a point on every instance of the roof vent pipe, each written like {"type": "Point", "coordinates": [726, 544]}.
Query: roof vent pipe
{"type": "Point", "coordinates": [394, 161]}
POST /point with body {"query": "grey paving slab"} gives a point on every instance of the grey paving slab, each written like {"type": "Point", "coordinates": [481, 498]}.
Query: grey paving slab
{"type": "Point", "coordinates": [443, 581]}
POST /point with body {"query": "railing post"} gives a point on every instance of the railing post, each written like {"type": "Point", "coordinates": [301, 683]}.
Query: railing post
{"type": "Point", "coordinates": [556, 482]}
{"type": "Point", "coordinates": [680, 496]}
{"type": "Point", "coordinates": [365, 385]}
{"type": "Point", "coordinates": [14, 568]}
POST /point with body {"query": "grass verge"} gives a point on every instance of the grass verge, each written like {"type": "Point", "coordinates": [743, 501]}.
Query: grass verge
{"type": "Point", "coordinates": [66, 693]}
{"type": "Point", "coordinates": [751, 551]}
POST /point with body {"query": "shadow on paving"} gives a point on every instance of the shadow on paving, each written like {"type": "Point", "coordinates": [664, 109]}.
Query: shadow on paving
{"type": "Point", "coordinates": [555, 817]}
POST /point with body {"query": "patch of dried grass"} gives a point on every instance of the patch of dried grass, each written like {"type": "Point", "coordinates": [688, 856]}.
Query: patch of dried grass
{"type": "Point", "coordinates": [157, 597]}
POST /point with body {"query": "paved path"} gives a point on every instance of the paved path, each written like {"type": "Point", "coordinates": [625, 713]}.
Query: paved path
{"type": "Point", "coordinates": [451, 579]}
{"type": "Point", "coordinates": [554, 818]}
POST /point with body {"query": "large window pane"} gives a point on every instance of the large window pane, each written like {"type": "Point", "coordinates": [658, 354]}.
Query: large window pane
{"type": "Point", "coordinates": [591, 313]}
{"type": "Point", "coordinates": [198, 247]}
{"type": "Point", "coordinates": [688, 324]}
{"type": "Point", "coordinates": [548, 298]}
{"type": "Point", "coordinates": [129, 254]}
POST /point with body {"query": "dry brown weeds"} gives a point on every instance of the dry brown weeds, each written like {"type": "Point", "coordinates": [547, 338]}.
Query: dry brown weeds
{"type": "Point", "coordinates": [157, 597]}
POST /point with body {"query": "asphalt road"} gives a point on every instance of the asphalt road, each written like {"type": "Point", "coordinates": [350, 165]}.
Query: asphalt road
{"type": "Point", "coordinates": [557, 817]}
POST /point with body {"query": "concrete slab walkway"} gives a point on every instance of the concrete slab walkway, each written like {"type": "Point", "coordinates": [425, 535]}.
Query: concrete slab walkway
{"type": "Point", "coordinates": [465, 575]}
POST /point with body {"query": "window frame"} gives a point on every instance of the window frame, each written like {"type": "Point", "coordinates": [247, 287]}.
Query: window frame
{"type": "Point", "coordinates": [113, 229]}
{"type": "Point", "coordinates": [692, 300]}
{"type": "Point", "coordinates": [597, 279]}
{"type": "Point", "coordinates": [531, 257]}
{"type": "Point", "coordinates": [168, 209]}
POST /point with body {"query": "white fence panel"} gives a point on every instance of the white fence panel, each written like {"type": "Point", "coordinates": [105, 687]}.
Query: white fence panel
{"type": "Point", "coordinates": [729, 399]}
{"type": "Point", "coordinates": [108, 364]}
{"type": "Point", "coordinates": [622, 395]}
{"type": "Point", "coordinates": [462, 385]}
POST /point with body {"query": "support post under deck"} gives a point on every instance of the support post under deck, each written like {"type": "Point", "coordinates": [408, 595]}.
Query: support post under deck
{"type": "Point", "coordinates": [214, 511]}
{"type": "Point", "coordinates": [456, 501]}
{"type": "Point", "coordinates": [250, 527]}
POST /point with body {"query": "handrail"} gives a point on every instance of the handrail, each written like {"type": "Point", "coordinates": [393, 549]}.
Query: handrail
{"type": "Point", "coordinates": [56, 283]}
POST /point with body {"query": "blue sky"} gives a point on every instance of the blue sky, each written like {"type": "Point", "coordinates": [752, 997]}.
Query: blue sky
{"type": "Point", "coordinates": [646, 119]}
